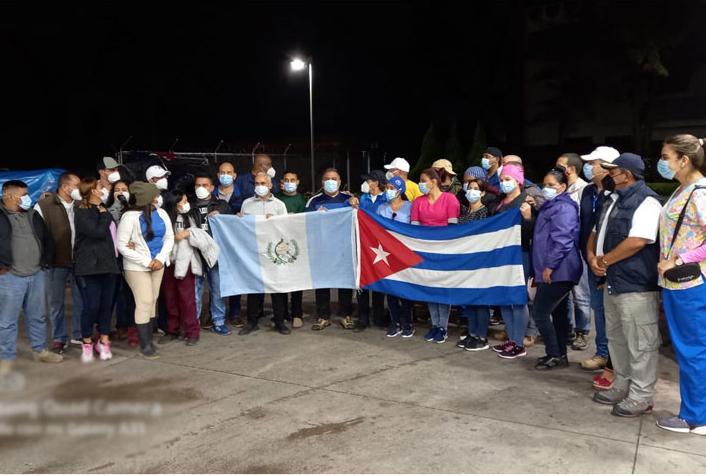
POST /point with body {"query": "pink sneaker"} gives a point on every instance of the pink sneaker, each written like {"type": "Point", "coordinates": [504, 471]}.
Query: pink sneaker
{"type": "Point", "coordinates": [104, 350]}
{"type": "Point", "coordinates": [87, 355]}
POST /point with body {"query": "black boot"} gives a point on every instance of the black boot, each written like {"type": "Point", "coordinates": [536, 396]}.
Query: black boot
{"type": "Point", "coordinates": [146, 348]}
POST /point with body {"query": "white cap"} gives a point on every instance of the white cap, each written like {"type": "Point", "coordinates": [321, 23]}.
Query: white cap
{"type": "Point", "coordinates": [399, 163]}
{"type": "Point", "coordinates": [156, 171]}
{"type": "Point", "coordinates": [606, 154]}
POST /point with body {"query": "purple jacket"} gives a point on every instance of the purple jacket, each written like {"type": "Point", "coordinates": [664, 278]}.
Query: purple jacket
{"type": "Point", "coordinates": [555, 243]}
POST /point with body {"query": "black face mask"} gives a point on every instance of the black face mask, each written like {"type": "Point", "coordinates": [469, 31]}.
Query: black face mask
{"type": "Point", "coordinates": [608, 183]}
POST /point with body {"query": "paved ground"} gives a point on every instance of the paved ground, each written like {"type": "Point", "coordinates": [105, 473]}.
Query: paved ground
{"type": "Point", "coordinates": [330, 401]}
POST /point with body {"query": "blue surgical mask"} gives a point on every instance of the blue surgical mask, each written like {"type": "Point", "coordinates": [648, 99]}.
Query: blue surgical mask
{"type": "Point", "coordinates": [25, 202]}
{"type": "Point", "coordinates": [390, 194]}
{"type": "Point", "coordinates": [549, 193]}
{"type": "Point", "coordinates": [485, 163]}
{"type": "Point", "coordinates": [664, 170]}
{"type": "Point", "coordinates": [226, 180]}
{"type": "Point", "coordinates": [290, 187]}
{"type": "Point", "coordinates": [262, 190]}
{"type": "Point", "coordinates": [331, 186]}
{"type": "Point", "coordinates": [423, 187]}
{"type": "Point", "coordinates": [588, 171]}
{"type": "Point", "coordinates": [473, 195]}
{"type": "Point", "coordinates": [507, 186]}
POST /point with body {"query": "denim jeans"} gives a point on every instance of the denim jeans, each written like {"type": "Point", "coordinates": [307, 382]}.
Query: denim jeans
{"type": "Point", "coordinates": [599, 315]}
{"type": "Point", "coordinates": [400, 312]}
{"type": "Point", "coordinates": [580, 304]}
{"type": "Point", "coordinates": [98, 295]}
{"type": "Point", "coordinates": [17, 294]}
{"type": "Point", "coordinates": [439, 314]}
{"type": "Point", "coordinates": [478, 319]}
{"type": "Point", "coordinates": [516, 318]}
{"type": "Point", "coordinates": [551, 309]}
{"type": "Point", "coordinates": [217, 304]}
{"type": "Point", "coordinates": [56, 285]}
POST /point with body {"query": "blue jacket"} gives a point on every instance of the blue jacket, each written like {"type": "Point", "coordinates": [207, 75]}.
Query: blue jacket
{"type": "Point", "coordinates": [245, 184]}
{"type": "Point", "coordinates": [235, 201]}
{"type": "Point", "coordinates": [637, 273]}
{"type": "Point", "coordinates": [319, 200]}
{"type": "Point", "coordinates": [555, 244]}
{"type": "Point", "coordinates": [366, 203]}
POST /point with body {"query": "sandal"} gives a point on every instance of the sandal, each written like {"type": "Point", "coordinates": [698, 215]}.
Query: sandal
{"type": "Point", "coordinates": [320, 324]}
{"type": "Point", "coordinates": [347, 323]}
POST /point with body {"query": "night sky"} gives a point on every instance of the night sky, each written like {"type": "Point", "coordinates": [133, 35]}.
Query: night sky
{"type": "Point", "coordinates": [81, 79]}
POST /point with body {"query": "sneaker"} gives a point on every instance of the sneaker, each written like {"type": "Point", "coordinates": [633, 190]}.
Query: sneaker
{"type": "Point", "coordinates": [440, 336]}
{"type": "Point", "coordinates": [678, 425]}
{"type": "Point", "coordinates": [495, 320]}
{"type": "Point", "coordinates": [507, 345]}
{"type": "Point", "coordinates": [393, 331]}
{"type": "Point", "coordinates": [580, 342]}
{"type": "Point", "coordinates": [221, 330]}
{"type": "Point", "coordinates": [192, 341]}
{"type": "Point", "coordinates": [76, 341]}
{"type": "Point", "coordinates": [513, 352]}
{"type": "Point", "coordinates": [297, 322]}
{"type": "Point", "coordinates": [529, 341]}
{"type": "Point", "coordinates": [610, 397]}
{"type": "Point", "coordinates": [429, 336]}
{"type": "Point", "coordinates": [629, 408]}
{"type": "Point", "coordinates": [594, 363]}
{"type": "Point", "coordinates": [604, 381]}
{"type": "Point", "coordinates": [407, 333]}
{"type": "Point", "coordinates": [59, 347]}
{"type": "Point", "coordinates": [87, 353]}
{"type": "Point", "coordinates": [248, 328]}
{"type": "Point", "coordinates": [476, 344]}
{"type": "Point", "coordinates": [103, 350]}
{"type": "Point", "coordinates": [549, 363]}
{"type": "Point", "coordinates": [47, 357]}
{"type": "Point", "coordinates": [463, 341]}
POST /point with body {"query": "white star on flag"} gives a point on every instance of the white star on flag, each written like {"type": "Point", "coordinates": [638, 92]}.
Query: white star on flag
{"type": "Point", "coordinates": [380, 254]}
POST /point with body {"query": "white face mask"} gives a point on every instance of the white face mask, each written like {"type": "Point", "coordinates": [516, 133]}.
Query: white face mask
{"type": "Point", "coordinates": [202, 193]}
{"type": "Point", "coordinates": [162, 183]}
{"type": "Point", "coordinates": [114, 177]}
{"type": "Point", "coordinates": [185, 208]}
{"type": "Point", "coordinates": [160, 202]}
{"type": "Point", "coordinates": [271, 172]}
{"type": "Point", "coordinates": [76, 195]}
{"type": "Point", "coordinates": [262, 190]}
{"type": "Point", "coordinates": [365, 188]}
{"type": "Point", "coordinates": [389, 175]}
{"type": "Point", "coordinates": [105, 195]}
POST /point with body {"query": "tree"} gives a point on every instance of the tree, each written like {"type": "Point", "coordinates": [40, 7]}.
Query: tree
{"type": "Point", "coordinates": [430, 151]}
{"type": "Point", "coordinates": [480, 143]}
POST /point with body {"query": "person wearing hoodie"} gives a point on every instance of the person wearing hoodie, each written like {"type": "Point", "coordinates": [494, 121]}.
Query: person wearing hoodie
{"type": "Point", "coordinates": [145, 239]}
{"type": "Point", "coordinates": [556, 267]}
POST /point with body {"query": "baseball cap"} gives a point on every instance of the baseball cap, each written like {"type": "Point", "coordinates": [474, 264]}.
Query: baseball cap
{"type": "Point", "coordinates": [156, 171]}
{"type": "Point", "coordinates": [628, 161]}
{"type": "Point", "coordinates": [399, 163]}
{"type": "Point", "coordinates": [443, 164]}
{"type": "Point", "coordinates": [494, 151]}
{"type": "Point", "coordinates": [604, 153]}
{"type": "Point", "coordinates": [398, 183]}
{"type": "Point", "coordinates": [109, 163]}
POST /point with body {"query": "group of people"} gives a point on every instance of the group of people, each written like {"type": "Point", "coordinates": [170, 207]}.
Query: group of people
{"type": "Point", "coordinates": [143, 251]}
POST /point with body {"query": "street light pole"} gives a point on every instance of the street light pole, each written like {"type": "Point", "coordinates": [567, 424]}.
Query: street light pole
{"type": "Point", "coordinates": [311, 125]}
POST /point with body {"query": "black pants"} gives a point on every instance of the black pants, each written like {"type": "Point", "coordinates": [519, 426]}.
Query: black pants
{"type": "Point", "coordinates": [400, 312]}
{"type": "Point", "coordinates": [256, 303]}
{"type": "Point", "coordinates": [98, 295]}
{"type": "Point", "coordinates": [124, 305]}
{"type": "Point", "coordinates": [551, 314]}
{"type": "Point", "coordinates": [379, 316]}
{"type": "Point", "coordinates": [323, 302]}
{"type": "Point", "coordinates": [295, 309]}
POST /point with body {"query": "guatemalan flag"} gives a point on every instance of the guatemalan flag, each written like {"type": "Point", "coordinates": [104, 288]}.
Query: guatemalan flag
{"type": "Point", "coordinates": [285, 253]}
{"type": "Point", "coordinates": [474, 263]}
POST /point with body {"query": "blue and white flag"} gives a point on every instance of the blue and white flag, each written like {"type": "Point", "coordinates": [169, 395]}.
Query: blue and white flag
{"type": "Point", "coordinates": [477, 263]}
{"type": "Point", "coordinates": [285, 253]}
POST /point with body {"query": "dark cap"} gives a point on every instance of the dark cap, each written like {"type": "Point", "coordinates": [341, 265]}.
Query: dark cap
{"type": "Point", "coordinates": [144, 193]}
{"type": "Point", "coordinates": [494, 151]}
{"type": "Point", "coordinates": [377, 176]}
{"type": "Point", "coordinates": [628, 161]}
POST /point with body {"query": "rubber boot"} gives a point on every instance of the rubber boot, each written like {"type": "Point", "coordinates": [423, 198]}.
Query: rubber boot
{"type": "Point", "coordinates": [146, 348]}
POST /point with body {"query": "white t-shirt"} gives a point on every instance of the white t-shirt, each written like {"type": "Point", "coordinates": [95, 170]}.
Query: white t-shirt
{"type": "Point", "coordinates": [575, 191]}
{"type": "Point", "coordinates": [645, 221]}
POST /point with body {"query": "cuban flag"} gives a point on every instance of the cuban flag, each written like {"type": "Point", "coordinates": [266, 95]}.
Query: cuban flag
{"type": "Point", "coordinates": [285, 253]}
{"type": "Point", "coordinates": [477, 263]}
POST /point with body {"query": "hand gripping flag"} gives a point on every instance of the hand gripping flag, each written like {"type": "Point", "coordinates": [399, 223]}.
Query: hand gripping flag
{"type": "Point", "coordinates": [477, 263]}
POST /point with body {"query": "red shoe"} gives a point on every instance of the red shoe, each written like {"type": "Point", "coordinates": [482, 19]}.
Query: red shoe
{"type": "Point", "coordinates": [601, 383]}
{"type": "Point", "coordinates": [133, 340]}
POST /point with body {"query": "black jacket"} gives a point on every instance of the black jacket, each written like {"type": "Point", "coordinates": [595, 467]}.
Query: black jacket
{"type": "Point", "coordinates": [94, 251]}
{"type": "Point", "coordinates": [46, 243]}
{"type": "Point", "coordinates": [527, 226]}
